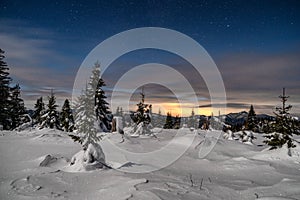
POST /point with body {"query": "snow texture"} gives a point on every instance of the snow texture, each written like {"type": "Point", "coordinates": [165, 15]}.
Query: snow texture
{"type": "Point", "coordinates": [35, 164]}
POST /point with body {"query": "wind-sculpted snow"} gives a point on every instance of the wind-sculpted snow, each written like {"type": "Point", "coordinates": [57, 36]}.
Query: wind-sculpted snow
{"type": "Point", "coordinates": [33, 166]}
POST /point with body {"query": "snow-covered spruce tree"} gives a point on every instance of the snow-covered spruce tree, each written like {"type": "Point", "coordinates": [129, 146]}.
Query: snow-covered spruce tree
{"type": "Point", "coordinates": [92, 156]}
{"type": "Point", "coordinates": [4, 92]}
{"type": "Point", "coordinates": [169, 122]}
{"type": "Point", "coordinates": [51, 117]}
{"type": "Point", "coordinates": [39, 111]}
{"type": "Point", "coordinates": [85, 119]}
{"type": "Point", "coordinates": [142, 117]}
{"type": "Point", "coordinates": [66, 117]}
{"type": "Point", "coordinates": [16, 107]}
{"type": "Point", "coordinates": [251, 123]}
{"type": "Point", "coordinates": [192, 121]}
{"type": "Point", "coordinates": [284, 127]}
{"type": "Point", "coordinates": [103, 114]}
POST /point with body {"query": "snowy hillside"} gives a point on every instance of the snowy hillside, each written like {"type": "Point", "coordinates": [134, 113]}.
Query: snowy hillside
{"type": "Point", "coordinates": [36, 165]}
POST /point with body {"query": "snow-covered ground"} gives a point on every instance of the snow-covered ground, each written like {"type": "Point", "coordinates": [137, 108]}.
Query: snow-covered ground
{"type": "Point", "coordinates": [232, 170]}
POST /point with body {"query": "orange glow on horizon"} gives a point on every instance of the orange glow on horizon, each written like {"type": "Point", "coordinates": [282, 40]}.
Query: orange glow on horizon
{"type": "Point", "coordinates": [184, 110]}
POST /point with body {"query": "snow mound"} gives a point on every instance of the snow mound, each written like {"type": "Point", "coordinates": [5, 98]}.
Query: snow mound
{"type": "Point", "coordinates": [86, 160]}
{"type": "Point", "coordinates": [52, 161]}
{"type": "Point", "coordinates": [47, 135]}
{"type": "Point", "coordinates": [279, 154]}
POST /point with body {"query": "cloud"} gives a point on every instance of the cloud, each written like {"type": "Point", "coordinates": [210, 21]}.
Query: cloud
{"type": "Point", "coordinates": [237, 105]}
{"type": "Point", "coordinates": [258, 78]}
{"type": "Point", "coordinates": [34, 61]}
{"type": "Point", "coordinates": [261, 71]}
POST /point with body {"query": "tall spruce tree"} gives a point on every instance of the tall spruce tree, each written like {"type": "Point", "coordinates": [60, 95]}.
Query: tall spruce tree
{"type": "Point", "coordinates": [51, 117]}
{"type": "Point", "coordinates": [251, 123]}
{"type": "Point", "coordinates": [39, 111]}
{"type": "Point", "coordinates": [66, 117]}
{"type": "Point", "coordinates": [284, 128]}
{"type": "Point", "coordinates": [103, 114]}
{"type": "Point", "coordinates": [16, 107]}
{"type": "Point", "coordinates": [91, 110]}
{"type": "Point", "coordinates": [4, 93]}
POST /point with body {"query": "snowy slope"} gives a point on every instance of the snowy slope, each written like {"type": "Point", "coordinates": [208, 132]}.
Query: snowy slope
{"type": "Point", "coordinates": [232, 170]}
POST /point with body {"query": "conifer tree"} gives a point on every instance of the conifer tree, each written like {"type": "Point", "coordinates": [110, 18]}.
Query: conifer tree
{"type": "Point", "coordinates": [192, 121]}
{"type": "Point", "coordinates": [121, 111]}
{"type": "Point", "coordinates": [90, 108]}
{"type": "Point", "coordinates": [66, 117]}
{"type": "Point", "coordinates": [85, 119]}
{"type": "Point", "coordinates": [160, 121]}
{"type": "Point", "coordinates": [177, 122]}
{"type": "Point", "coordinates": [169, 121]}
{"type": "Point", "coordinates": [39, 111]}
{"type": "Point", "coordinates": [103, 114]}
{"type": "Point", "coordinates": [142, 117]}
{"type": "Point", "coordinates": [16, 107]}
{"type": "Point", "coordinates": [51, 117]}
{"type": "Point", "coordinates": [251, 123]}
{"type": "Point", "coordinates": [118, 111]}
{"type": "Point", "coordinates": [4, 92]}
{"type": "Point", "coordinates": [143, 112]}
{"type": "Point", "coordinates": [284, 127]}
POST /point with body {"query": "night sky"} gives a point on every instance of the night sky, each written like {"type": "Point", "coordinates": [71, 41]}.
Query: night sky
{"type": "Point", "coordinates": [255, 44]}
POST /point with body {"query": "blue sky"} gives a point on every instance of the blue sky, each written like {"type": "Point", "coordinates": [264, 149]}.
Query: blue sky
{"type": "Point", "coordinates": [255, 44]}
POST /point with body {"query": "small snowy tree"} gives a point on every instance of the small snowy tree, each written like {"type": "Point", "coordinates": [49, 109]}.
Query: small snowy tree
{"type": "Point", "coordinates": [251, 123]}
{"type": "Point", "coordinates": [192, 121]}
{"type": "Point", "coordinates": [39, 111]}
{"type": "Point", "coordinates": [66, 117]}
{"type": "Point", "coordinates": [284, 126]}
{"type": "Point", "coordinates": [142, 117]}
{"type": "Point", "coordinates": [51, 117]}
